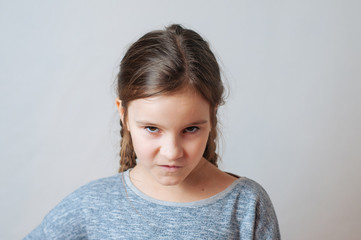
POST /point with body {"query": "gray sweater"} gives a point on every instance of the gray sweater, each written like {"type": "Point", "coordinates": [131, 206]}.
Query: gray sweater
{"type": "Point", "coordinates": [113, 208]}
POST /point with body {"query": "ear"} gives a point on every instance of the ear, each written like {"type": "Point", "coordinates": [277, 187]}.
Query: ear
{"type": "Point", "coordinates": [118, 102]}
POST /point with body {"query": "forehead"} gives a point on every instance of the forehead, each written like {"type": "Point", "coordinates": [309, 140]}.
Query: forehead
{"type": "Point", "coordinates": [179, 107]}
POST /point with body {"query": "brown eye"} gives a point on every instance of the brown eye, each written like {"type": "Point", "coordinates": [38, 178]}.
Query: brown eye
{"type": "Point", "coordinates": [191, 129]}
{"type": "Point", "coordinates": [152, 129]}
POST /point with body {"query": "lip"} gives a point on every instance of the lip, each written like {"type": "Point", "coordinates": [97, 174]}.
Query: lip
{"type": "Point", "coordinates": [170, 168]}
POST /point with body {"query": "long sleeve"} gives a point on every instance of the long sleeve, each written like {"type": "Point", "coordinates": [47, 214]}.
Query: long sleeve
{"type": "Point", "coordinates": [65, 221]}
{"type": "Point", "coordinates": [266, 224]}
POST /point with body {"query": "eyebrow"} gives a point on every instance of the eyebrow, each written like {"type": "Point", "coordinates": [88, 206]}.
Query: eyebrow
{"type": "Point", "coordinates": [200, 122]}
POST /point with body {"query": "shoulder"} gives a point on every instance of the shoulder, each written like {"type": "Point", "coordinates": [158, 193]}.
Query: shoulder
{"type": "Point", "coordinates": [252, 195]}
{"type": "Point", "coordinates": [250, 189]}
{"type": "Point", "coordinates": [69, 218]}
{"type": "Point", "coordinates": [255, 205]}
{"type": "Point", "coordinates": [94, 190]}
{"type": "Point", "coordinates": [246, 185]}
{"type": "Point", "coordinates": [107, 185]}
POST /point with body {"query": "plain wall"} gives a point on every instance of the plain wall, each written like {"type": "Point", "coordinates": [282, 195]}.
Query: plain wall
{"type": "Point", "coordinates": [291, 122]}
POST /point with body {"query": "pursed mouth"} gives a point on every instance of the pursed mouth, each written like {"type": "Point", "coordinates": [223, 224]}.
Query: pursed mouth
{"type": "Point", "coordinates": [170, 166]}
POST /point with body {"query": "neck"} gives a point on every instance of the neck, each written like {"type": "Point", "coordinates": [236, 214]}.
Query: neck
{"type": "Point", "coordinates": [194, 187]}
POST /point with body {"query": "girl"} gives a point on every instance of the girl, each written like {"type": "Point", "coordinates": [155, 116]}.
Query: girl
{"type": "Point", "coordinates": [169, 186]}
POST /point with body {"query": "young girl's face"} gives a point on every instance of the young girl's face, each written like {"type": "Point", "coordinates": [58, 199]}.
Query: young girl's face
{"type": "Point", "coordinates": [169, 135]}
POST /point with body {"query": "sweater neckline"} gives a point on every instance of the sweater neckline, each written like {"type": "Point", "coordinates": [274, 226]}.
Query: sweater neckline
{"type": "Point", "coordinates": [197, 203]}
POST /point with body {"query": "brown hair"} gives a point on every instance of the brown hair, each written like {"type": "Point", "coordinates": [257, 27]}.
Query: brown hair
{"type": "Point", "coordinates": [163, 62]}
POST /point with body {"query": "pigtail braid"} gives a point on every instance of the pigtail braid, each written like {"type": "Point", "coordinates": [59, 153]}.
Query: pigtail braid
{"type": "Point", "coordinates": [127, 154]}
{"type": "Point", "coordinates": [210, 152]}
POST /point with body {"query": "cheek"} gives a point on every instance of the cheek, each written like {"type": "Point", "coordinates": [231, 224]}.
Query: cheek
{"type": "Point", "coordinates": [143, 147]}
{"type": "Point", "coordinates": [197, 147]}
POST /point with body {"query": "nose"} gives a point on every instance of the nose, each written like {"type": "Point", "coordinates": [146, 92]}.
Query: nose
{"type": "Point", "coordinates": [171, 148]}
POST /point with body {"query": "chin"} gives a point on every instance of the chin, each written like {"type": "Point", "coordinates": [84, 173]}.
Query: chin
{"type": "Point", "coordinates": [169, 181]}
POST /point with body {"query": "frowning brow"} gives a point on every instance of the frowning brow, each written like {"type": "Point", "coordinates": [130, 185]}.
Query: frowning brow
{"type": "Point", "coordinates": [146, 123]}
{"type": "Point", "coordinates": [198, 122]}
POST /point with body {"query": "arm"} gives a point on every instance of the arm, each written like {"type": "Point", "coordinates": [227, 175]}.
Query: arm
{"type": "Point", "coordinates": [65, 221]}
{"type": "Point", "coordinates": [266, 223]}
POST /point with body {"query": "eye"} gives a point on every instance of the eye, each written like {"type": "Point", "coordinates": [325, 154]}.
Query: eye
{"type": "Point", "coordinates": [192, 129]}
{"type": "Point", "coordinates": [152, 129]}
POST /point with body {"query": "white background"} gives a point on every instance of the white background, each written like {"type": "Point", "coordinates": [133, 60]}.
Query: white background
{"type": "Point", "coordinates": [292, 120]}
